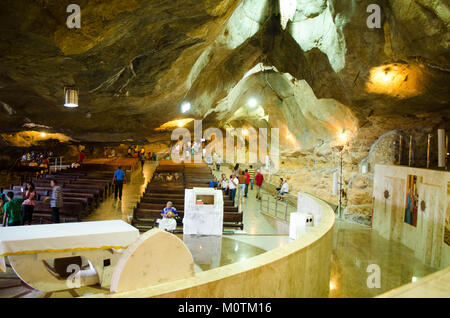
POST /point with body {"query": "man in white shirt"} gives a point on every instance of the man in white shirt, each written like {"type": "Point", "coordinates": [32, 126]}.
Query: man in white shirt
{"type": "Point", "coordinates": [234, 182]}
{"type": "Point", "coordinates": [284, 190]}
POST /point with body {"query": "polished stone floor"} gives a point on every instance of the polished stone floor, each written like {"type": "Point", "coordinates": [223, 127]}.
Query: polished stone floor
{"type": "Point", "coordinates": [355, 247]}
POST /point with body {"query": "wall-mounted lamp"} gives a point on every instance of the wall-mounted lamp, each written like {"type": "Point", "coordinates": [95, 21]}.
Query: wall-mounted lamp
{"type": "Point", "coordinates": [70, 97]}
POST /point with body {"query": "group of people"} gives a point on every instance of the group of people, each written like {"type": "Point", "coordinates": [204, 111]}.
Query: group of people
{"type": "Point", "coordinates": [33, 159]}
{"type": "Point", "coordinates": [239, 182]}
{"type": "Point", "coordinates": [19, 211]}
{"type": "Point", "coordinates": [134, 152]}
{"type": "Point", "coordinates": [282, 189]}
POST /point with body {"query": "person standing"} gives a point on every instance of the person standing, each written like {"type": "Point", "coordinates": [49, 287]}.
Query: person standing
{"type": "Point", "coordinates": [259, 179]}
{"type": "Point", "coordinates": [56, 200]}
{"type": "Point", "coordinates": [129, 152]}
{"type": "Point", "coordinates": [81, 157]}
{"type": "Point", "coordinates": [219, 162]}
{"type": "Point", "coordinates": [214, 160]}
{"type": "Point", "coordinates": [236, 170]}
{"type": "Point", "coordinates": [242, 179]}
{"type": "Point", "coordinates": [247, 182]}
{"type": "Point", "coordinates": [251, 171]}
{"type": "Point", "coordinates": [119, 179]}
{"type": "Point", "coordinates": [142, 159]}
{"type": "Point", "coordinates": [234, 183]}
{"type": "Point", "coordinates": [12, 210]}
{"type": "Point", "coordinates": [29, 203]}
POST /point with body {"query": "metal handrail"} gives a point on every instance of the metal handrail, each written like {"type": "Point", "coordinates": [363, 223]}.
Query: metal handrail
{"type": "Point", "coordinates": [280, 210]}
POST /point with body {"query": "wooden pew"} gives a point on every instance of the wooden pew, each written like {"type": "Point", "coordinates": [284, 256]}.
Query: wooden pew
{"type": "Point", "coordinates": [70, 212]}
{"type": "Point", "coordinates": [144, 218]}
{"type": "Point", "coordinates": [157, 206]}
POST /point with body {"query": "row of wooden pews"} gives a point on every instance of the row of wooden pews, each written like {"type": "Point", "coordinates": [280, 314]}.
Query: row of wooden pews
{"type": "Point", "coordinates": [83, 189]}
{"type": "Point", "coordinates": [159, 192]}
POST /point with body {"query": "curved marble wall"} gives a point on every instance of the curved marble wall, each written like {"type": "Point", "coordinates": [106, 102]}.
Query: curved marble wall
{"type": "Point", "coordinates": [298, 269]}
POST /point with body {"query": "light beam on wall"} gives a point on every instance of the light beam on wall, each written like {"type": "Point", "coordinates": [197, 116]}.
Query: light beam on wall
{"type": "Point", "coordinates": [398, 80]}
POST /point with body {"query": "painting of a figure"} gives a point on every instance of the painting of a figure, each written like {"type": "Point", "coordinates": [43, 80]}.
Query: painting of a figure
{"type": "Point", "coordinates": [447, 218]}
{"type": "Point", "coordinates": [412, 201]}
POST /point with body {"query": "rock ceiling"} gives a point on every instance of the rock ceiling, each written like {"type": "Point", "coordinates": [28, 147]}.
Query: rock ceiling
{"type": "Point", "coordinates": [314, 70]}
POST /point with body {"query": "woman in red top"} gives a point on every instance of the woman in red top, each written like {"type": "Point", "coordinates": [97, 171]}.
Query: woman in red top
{"type": "Point", "coordinates": [259, 178]}
{"type": "Point", "coordinates": [81, 157]}
{"type": "Point", "coordinates": [247, 182]}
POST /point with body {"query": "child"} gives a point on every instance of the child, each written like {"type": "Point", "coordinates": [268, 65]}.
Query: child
{"type": "Point", "coordinates": [12, 210]}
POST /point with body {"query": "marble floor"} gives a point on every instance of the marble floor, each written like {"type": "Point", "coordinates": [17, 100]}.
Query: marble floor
{"type": "Point", "coordinates": [355, 247]}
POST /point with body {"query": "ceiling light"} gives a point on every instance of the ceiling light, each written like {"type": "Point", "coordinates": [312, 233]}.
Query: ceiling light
{"type": "Point", "coordinates": [252, 103]}
{"type": "Point", "coordinates": [71, 98]}
{"type": "Point", "coordinates": [186, 106]}
{"type": "Point", "coordinates": [43, 134]}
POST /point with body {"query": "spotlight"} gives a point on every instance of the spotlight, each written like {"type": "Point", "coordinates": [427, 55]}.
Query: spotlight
{"type": "Point", "coordinates": [180, 123]}
{"type": "Point", "coordinates": [244, 132]}
{"type": "Point", "coordinates": [343, 137]}
{"type": "Point", "coordinates": [43, 134]}
{"type": "Point", "coordinates": [186, 106]}
{"type": "Point", "coordinates": [252, 102]}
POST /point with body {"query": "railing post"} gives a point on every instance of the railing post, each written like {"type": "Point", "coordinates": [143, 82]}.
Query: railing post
{"type": "Point", "coordinates": [285, 211]}
{"type": "Point", "coordinates": [276, 207]}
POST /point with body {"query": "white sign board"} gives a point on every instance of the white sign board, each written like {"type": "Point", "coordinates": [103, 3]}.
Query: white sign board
{"type": "Point", "coordinates": [203, 219]}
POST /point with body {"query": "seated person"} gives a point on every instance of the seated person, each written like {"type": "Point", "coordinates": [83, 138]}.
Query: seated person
{"type": "Point", "coordinates": [279, 188]}
{"type": "Point", "coordinates": [12, 210]}
{"type": "Point", "coordinates": [213, 183]}
{"type": "Point", "coordinates": [283, 190]}
{"type": "Point", "coordinates": [169, 211]}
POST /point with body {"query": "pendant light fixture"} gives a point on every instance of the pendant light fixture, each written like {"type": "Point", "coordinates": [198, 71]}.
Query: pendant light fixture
{"type": "Point", "coordinates": [70, 97]}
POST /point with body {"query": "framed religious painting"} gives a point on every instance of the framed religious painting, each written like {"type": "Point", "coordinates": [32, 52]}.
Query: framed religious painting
{"type": "Point", "coordinates": [447, 218]}
{"type": "Point", "coordinates": [412, 201]}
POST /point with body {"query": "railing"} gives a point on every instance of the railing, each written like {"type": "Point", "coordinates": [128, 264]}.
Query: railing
{"type": "Point", "coordinates": [280, 209]}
